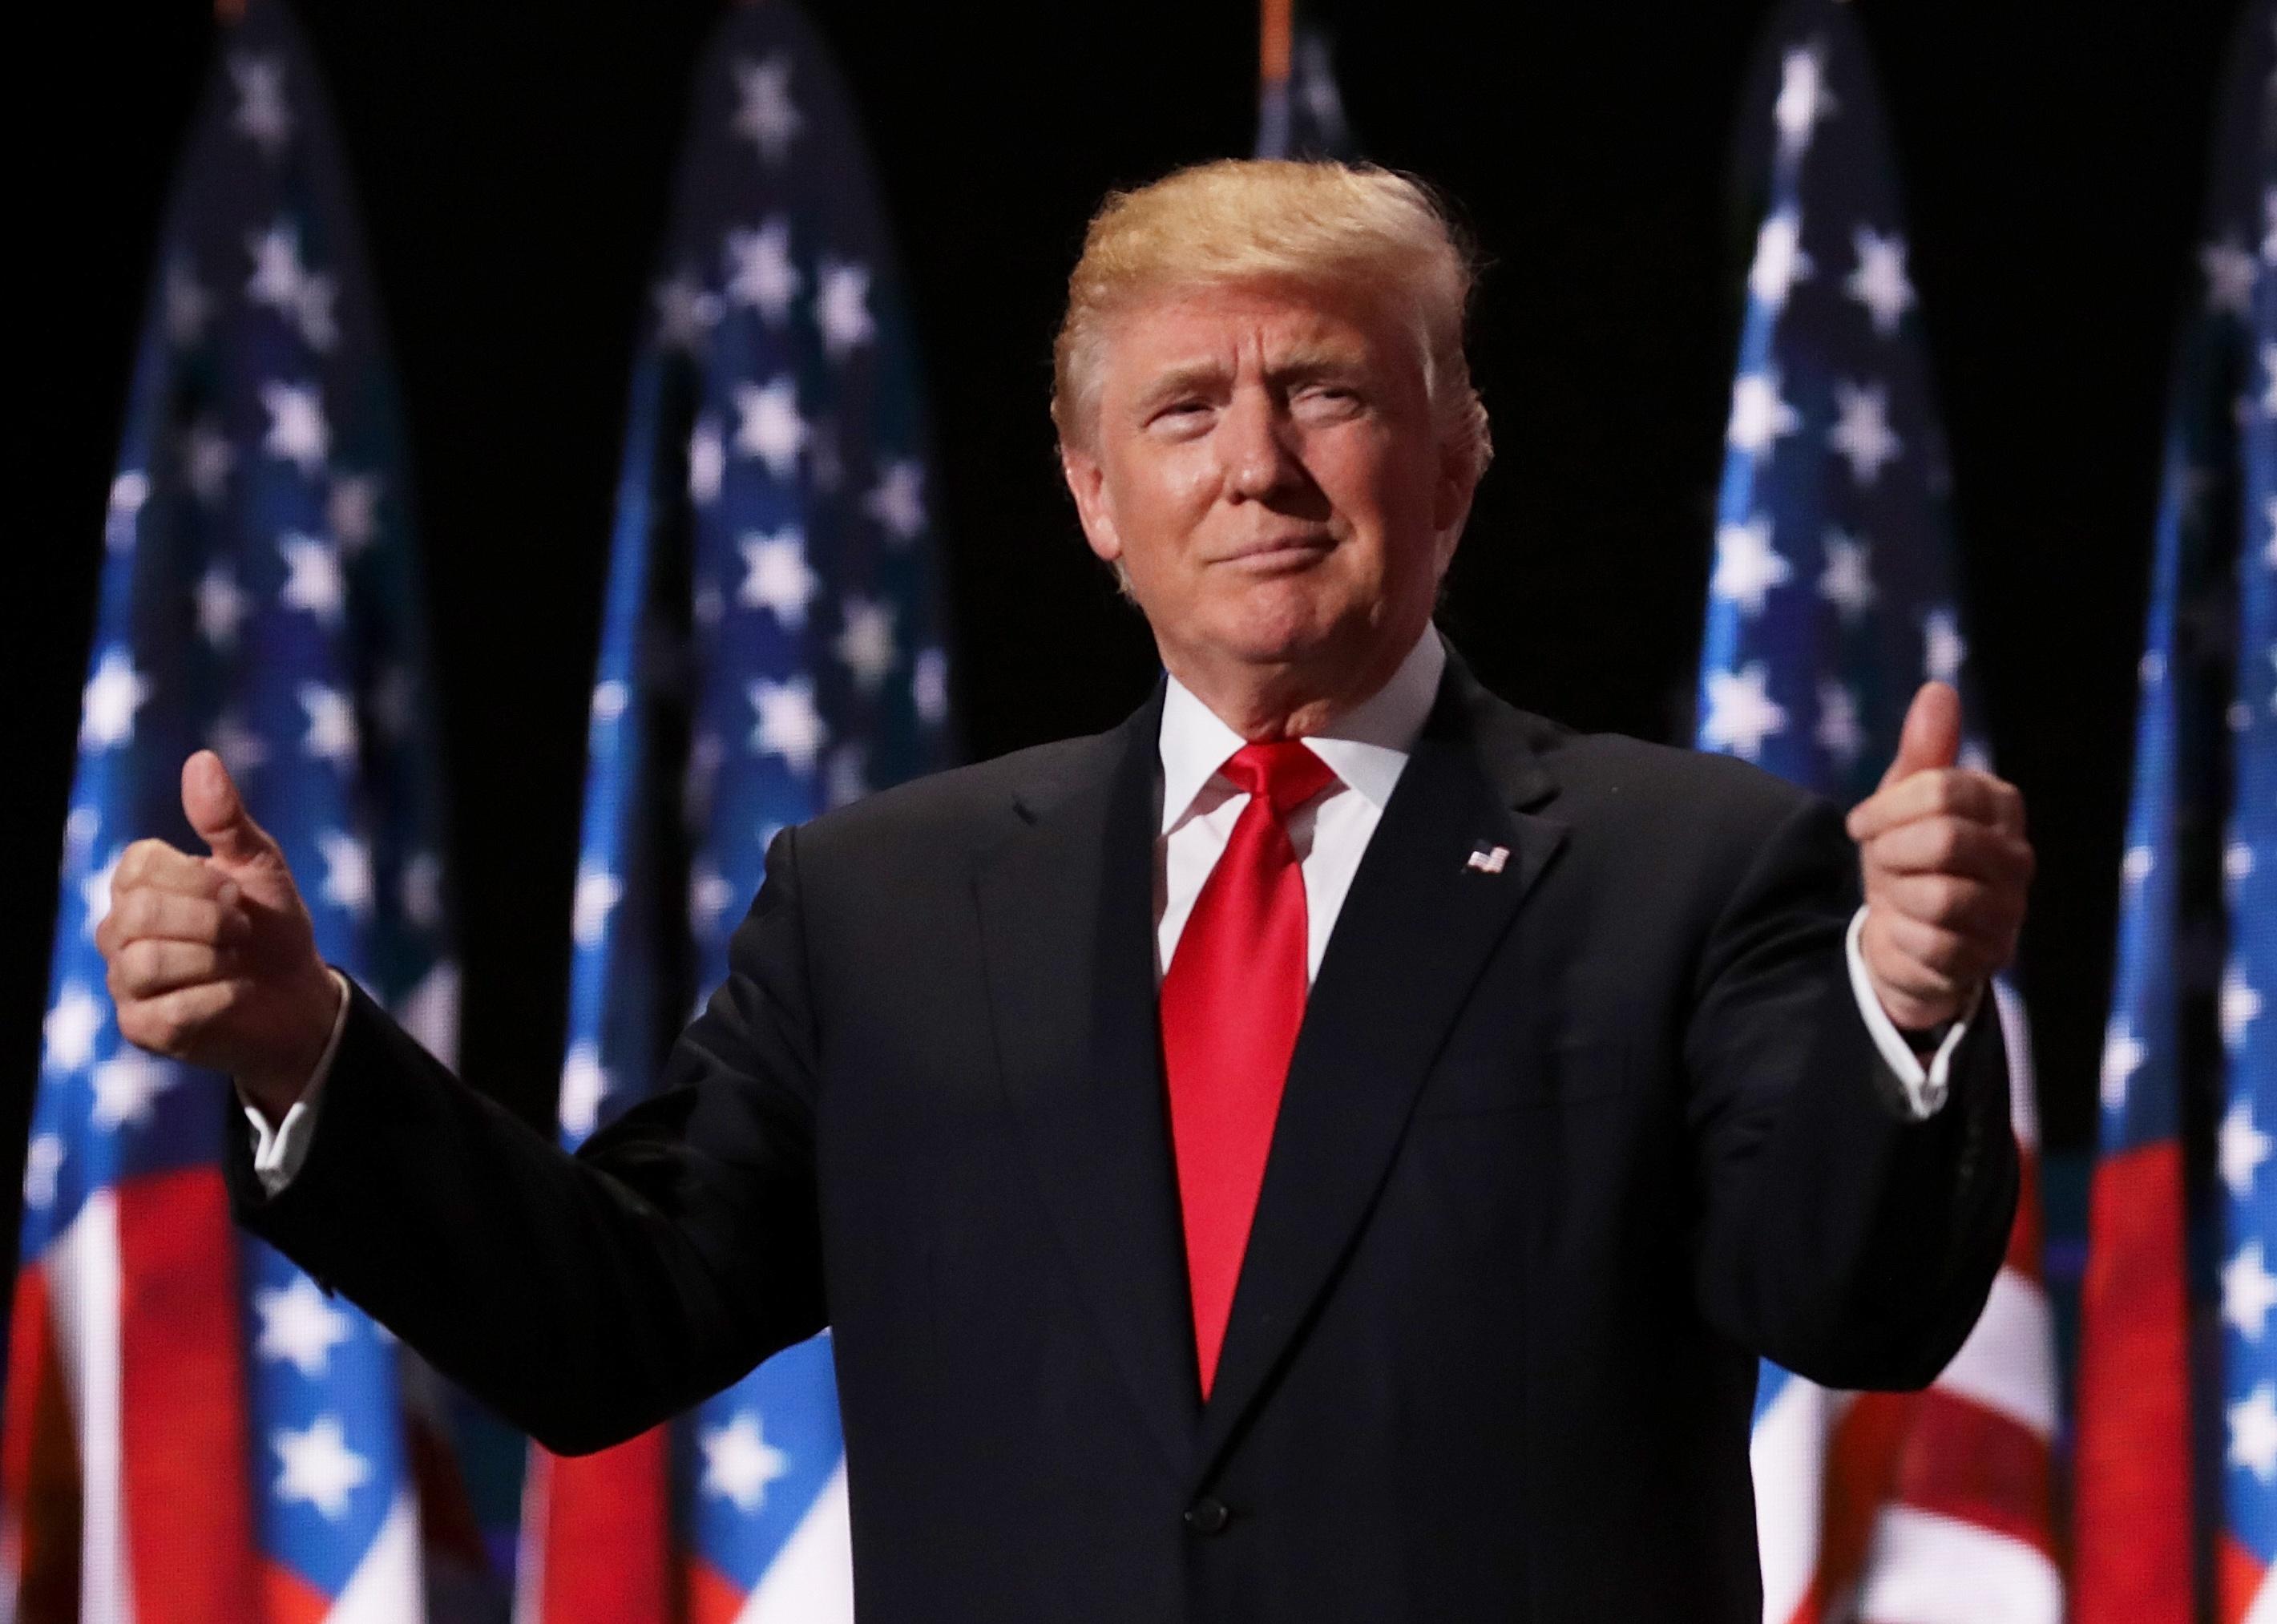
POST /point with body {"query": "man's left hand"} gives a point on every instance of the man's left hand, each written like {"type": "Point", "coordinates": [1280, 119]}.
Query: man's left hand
{"type": "Point", "coordinates": [1946, 867]}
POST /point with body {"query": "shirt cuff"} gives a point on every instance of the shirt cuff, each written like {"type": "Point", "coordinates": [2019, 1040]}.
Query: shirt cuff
{"type": "Point", "coordinates": [278, 1152]}
{"type": "Point", "coordinates": [1924, 1086]}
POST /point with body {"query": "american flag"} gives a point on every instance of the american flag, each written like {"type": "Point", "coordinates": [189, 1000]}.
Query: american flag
{"type": "Point", "coordinates": [1299, 112]}
{"type": "Point", "coordinates": [2179, 1281]}
{"type": "Point", "coordinates": [771, 648]}
{"type": "Point", "coordinates": [195, 1430]}
{"type": "Point", "coordinates": [1832, 600]}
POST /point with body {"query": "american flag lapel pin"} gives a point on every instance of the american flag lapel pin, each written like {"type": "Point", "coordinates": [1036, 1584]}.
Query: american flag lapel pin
{"type": "Point", "coordinates": [1489, 860]}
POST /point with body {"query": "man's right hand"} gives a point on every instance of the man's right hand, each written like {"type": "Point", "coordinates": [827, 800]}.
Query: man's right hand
{"type": "Point", "coordinates": [211, 960]}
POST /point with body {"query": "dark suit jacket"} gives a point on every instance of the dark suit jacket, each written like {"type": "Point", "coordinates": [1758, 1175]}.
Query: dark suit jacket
{"type": "Point", "coordinates": [1563, 1149]}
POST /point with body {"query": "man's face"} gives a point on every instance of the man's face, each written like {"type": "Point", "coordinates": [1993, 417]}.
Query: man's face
{"type": "Point", "coordinates": [1265, 466]}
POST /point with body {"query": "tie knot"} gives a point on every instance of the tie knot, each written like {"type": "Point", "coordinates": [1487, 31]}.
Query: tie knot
{"type": "Point", "coordinates": [1283, 773]}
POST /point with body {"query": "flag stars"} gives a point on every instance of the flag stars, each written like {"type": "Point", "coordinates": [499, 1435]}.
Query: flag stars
{"type": "Point", "coordinates": [281, 283]}
{"type": "Point", "coordinates": [2240, 1005]}
{"type": "Point", "coordinates": [2269, 389]}
{"type": "Point", "coordinates": [67, 1032]}
{"type": "Point", "coordinates": [1944, 650]}
{"type": "Point", "coordinates": [1879, 281]}
{"type": "Point", "coordinates": [2248, 1292]}
{"type": "Point", "coordinates": [1803, 99]}
{"type": "Point", "coordinates": [707, 462]}
{"type": "Point", "coordinates": [1759, 417]}
{"type": "Point", "coordinates": [352, 512]}
{"type": "Point", "coordinates": [332, 735]}
{"type": "Point", "coordinates": [1838, 733]}
{"type": "Point", "coordinates": [263, 115]}
{"type": "Point", "coordinates": [760, 272]}
{"type": "Point", "coordinates": [240, 749]}
{"type": "Point", "coordinates": [929, 687]}
{"type": "Point", "coordinates": [43, 1161]}
{"type": "Point", "coordinates": [347, 871]}
{"type": "Point", "coordinates": [1780, 262]}
{"type": "Point", "coordinates": [709, 896]}
{"type": "Point", "coordinates": [207, 458]}
{"type": "Point", "coordinates": [317, 1466]}
{"type": "Point", "coordinates": [2123, 1057]}
{"type": "Point", "coordinates": [222, 607]}
{"type": "Point", "coordinates": [109, 701]}
{"type": "Point", "coordinates": [685, 314]}
{"type": "Point", "coordinates": [297, 431]}
{"type": "Point", "coordinates": [298, 1327]}
{"type": "Point", "coordinates": [2241, 1147]}
{"type": "Point", "coordinates": [2229, 273]}
{"type": "Point", "coordinates": [95, 894]}
{"type": "Point", "coordinates": [1847, 580]}
{"type": "Point", "coordinates": [841, 308]}
{"type": "Point", "coordinates": [597, 894]}
{"type": "Point", "coordinates": [1747, 566]}
{"type": "Point", "coordinates": [739, 1463]}
{"type": "Point", "coordinates": [314, 584]}
{"type": "Point", "coordinates": [788, 724]}
{"type": "Point", "coordinates": [2237, 864]}
{"type": "Point", "coordinates": [898, 500]}
{"type": "Point", "coordinates": [866, 642]}
{"type": "Point", "coordinates": [776, 577]}
{"type": "Point", "coordinates": [765, 115]}
{"type": "Point", "coordinates": [1741, 714]}
{"type": "Point", "coordinates": [2253, 1432]}
{"type": "Point", "coordinates": [127, 1086]}
{"type": "Point", "coordinates": [1862, 432]}
{"type": "Point", "coordinates": [769, 426]}
{"type": "Point", "coordinates": [128, 492]}
{"type": "Point", "coordinates": [584, 1084]}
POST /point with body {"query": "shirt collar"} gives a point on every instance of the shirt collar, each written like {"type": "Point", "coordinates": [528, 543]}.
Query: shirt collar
{"type": "Point", "coordinates": [1366, 747]}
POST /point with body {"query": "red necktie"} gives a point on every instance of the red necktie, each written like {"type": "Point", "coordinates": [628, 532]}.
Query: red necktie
{"type": "Point", "coordinates": [1232, 999]}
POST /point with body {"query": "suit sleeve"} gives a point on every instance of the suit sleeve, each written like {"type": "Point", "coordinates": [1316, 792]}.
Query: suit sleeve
{"type": "Point", "coordinates": [1840, 1235]}
{"type": "Point", "coordinates": [589, 1297]}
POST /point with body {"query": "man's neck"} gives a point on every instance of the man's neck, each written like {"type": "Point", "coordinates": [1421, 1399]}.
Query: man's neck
{"type": "Point", "coordinates": [1265, 702]}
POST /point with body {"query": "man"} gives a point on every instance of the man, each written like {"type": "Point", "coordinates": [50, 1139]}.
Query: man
{"type": "Point", "coordinates": [1584, 1077]}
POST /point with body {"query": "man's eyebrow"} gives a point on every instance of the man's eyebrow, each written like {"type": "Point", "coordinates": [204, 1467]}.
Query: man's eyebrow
{"type": "Point", "coordinates": [1195, 378]}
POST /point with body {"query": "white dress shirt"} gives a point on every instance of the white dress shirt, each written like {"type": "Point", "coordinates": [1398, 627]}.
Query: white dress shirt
{"type": "Point", "coordinates": [1367, 748]}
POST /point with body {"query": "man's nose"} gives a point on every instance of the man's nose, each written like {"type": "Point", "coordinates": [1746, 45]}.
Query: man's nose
{"type": "Point", "coordinates": [1259, 458]}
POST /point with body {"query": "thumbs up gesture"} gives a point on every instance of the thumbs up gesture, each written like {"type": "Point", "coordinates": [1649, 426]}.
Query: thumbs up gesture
{"type": "Point", "coordinates": [211, 960]}
{"type": "Point", "coordinates": [1945, 865]}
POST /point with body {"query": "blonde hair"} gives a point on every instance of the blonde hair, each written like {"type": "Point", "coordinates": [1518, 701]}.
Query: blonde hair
{"type": "Point", "coordinates": [1244, 220]}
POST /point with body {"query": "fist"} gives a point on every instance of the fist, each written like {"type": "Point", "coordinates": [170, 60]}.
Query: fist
{"type": "Point", "coordinates": [1946, 865]}
{"type": "Point", "coordinates": [211, 960]}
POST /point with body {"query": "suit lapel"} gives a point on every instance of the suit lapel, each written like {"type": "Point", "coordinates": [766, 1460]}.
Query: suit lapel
{"type": "Point", "coordinates": [1414, 933]}
{"type": "Point", "coordinates": [1067, 922]}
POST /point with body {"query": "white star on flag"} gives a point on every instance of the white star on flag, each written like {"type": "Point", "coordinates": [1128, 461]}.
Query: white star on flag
{"type": "Point", "coordinates": [597, 892]}
{"type": "Point", "coordinates": [1802, 99]}
{"type": "Point", "coordinates": [43, 1160]}
{"type": "Point", "coordinates": [929, 687]}
{"type": "Point", "coordinates": [2229, 273]}
{"type": "Point", "coordinates": [1839, 734]}
{"type": "Point", "coordinates": [1747, 566]}
{"type": "Point", "coordinates": [125, 1085]}
{"type": "Point", "coordinates": [1759, 417]}
{"type": "Point", "coordinates": [67, 1032]}
{"type": "Point", "coordinates": [240, 749]}
{"type": "Point", "coordinates": [788, 724]}
{"type": "Point", "coordinates": [584, 1084]}
{"type": "Point", "coordinates": [331, 735]}
{"type": "Point", "coordinates": [739, 1463]}
{"type": "Point", "coordinates": [865, 643]}
{"type": "Point", "coordinates": [2241, 1147]}
{"type": "Point", "coordinates": [767, 114]}
{"type": "Point", "coordinates": [841, 308]}
{"type": "Point", "coordinates": [347, 871]}
{"type": "Point", "coordinates": [315, 584]}
{"type": "Point", "coordinates": [318, 1467]}
{"type": "Point", "coordinates": [709, 896]}
{"type": "Point", "coordinates": [352, 512]}
{"type": "Point", "coordinates": [898, 500]}
{"type": "Point", "coordinates": [128, 492]}
{"type": "Point", "coordinates": [297, 432]}
{"type": "Point", "coordinates": [2240, 1005]}
{"type": "Point", "coordinates": [760, 272]}
{"type": "Point", "coordinates": [768, 425]}
{"type": "Point", "coordinates": [2248, 1292]}
{"type": "Point", "coordinates": [207, 458]}
{"type": "Point", "coordinates": [707, 462]}
{"type": "Point", "coordinates": [108, 703]}
{"type": "Point", "coordinates": [1847, 580]}
{"type": "Point", "coordinates": [1879, 282]}
{"type": "Point", "coordinates": [775, 575]}
{"type": "Point", "coordinates": [222, 608]}
{"type": "Point", "coordinates": [94, 893]}
{"type": "Point", "coordinates": [2123, 1057]}
{"type": "Point", "coordinates": [1943, 650]}
{"type": "Point", "coordinates": [1780, 262]}
{"type": "Point", "coordinates": [2253, 1432]}
{"type": "Point", "coordinates": [2269, 367]}
{"type": "Point", "coordinates": [1863, 434]}
{"type": "Point", "coordinates": [299, 1326]}
{"type": "Point", "coordinates": [187, 305]}
{"type": "Point", "coordinates": [1741, 714]}
{"type": "Point", "coordinates": [2237, 864]}
{"type": "Point", "coordinates": [263, 115]}
{"type": "Point", "coordinates": [685, 314]}
{"type": "Point", "coordinates": [2136, 866]}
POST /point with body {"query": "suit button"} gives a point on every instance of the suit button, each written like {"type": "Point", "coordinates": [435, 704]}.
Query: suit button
{"type": "Point", "coordinates": [1207, 1516]}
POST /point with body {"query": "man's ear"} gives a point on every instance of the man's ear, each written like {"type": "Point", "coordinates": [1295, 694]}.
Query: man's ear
{"type": "Point", "coordinates": [1457, 484]}
{"type": "Point", "coordinates": [1087, 482]}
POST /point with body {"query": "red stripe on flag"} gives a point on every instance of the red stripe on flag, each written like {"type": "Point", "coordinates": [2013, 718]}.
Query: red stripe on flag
{"type": "Point", "coordinates": [182, 1415]}
{"type": "Point", "coordinates": [605, 1534]}
{"type": "Point", "coordinates": [288, 1598]}
{"type": "Point", "coordinates": [2236, 1580]}
{"type": "Point", "coordinates": [40, 1500]}
{"type": "Point", "coordinates": [2024, 1236]}
{"type": "Point", "coordinates": [1862, 1465]}
{"type": "Point", "coordinates": [2131, 1525]}
{"type": "Point", "coordinates": [1976, 1465]}
{"type": "Point", "coordinates": [713, 1598]}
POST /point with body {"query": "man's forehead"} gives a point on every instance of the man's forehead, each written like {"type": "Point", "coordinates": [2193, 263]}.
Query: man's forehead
{"type": "Point", "coordinates": [1214, 323]}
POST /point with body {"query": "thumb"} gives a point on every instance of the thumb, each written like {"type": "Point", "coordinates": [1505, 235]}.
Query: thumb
{"type": "Point", "coordinates": [217, 811]}
{"type": "Point", "coordinates": [1932, 733]}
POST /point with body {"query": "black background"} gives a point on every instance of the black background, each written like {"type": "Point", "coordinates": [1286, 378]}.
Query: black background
{"type": "Point", "coordinates": [513, 159]}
